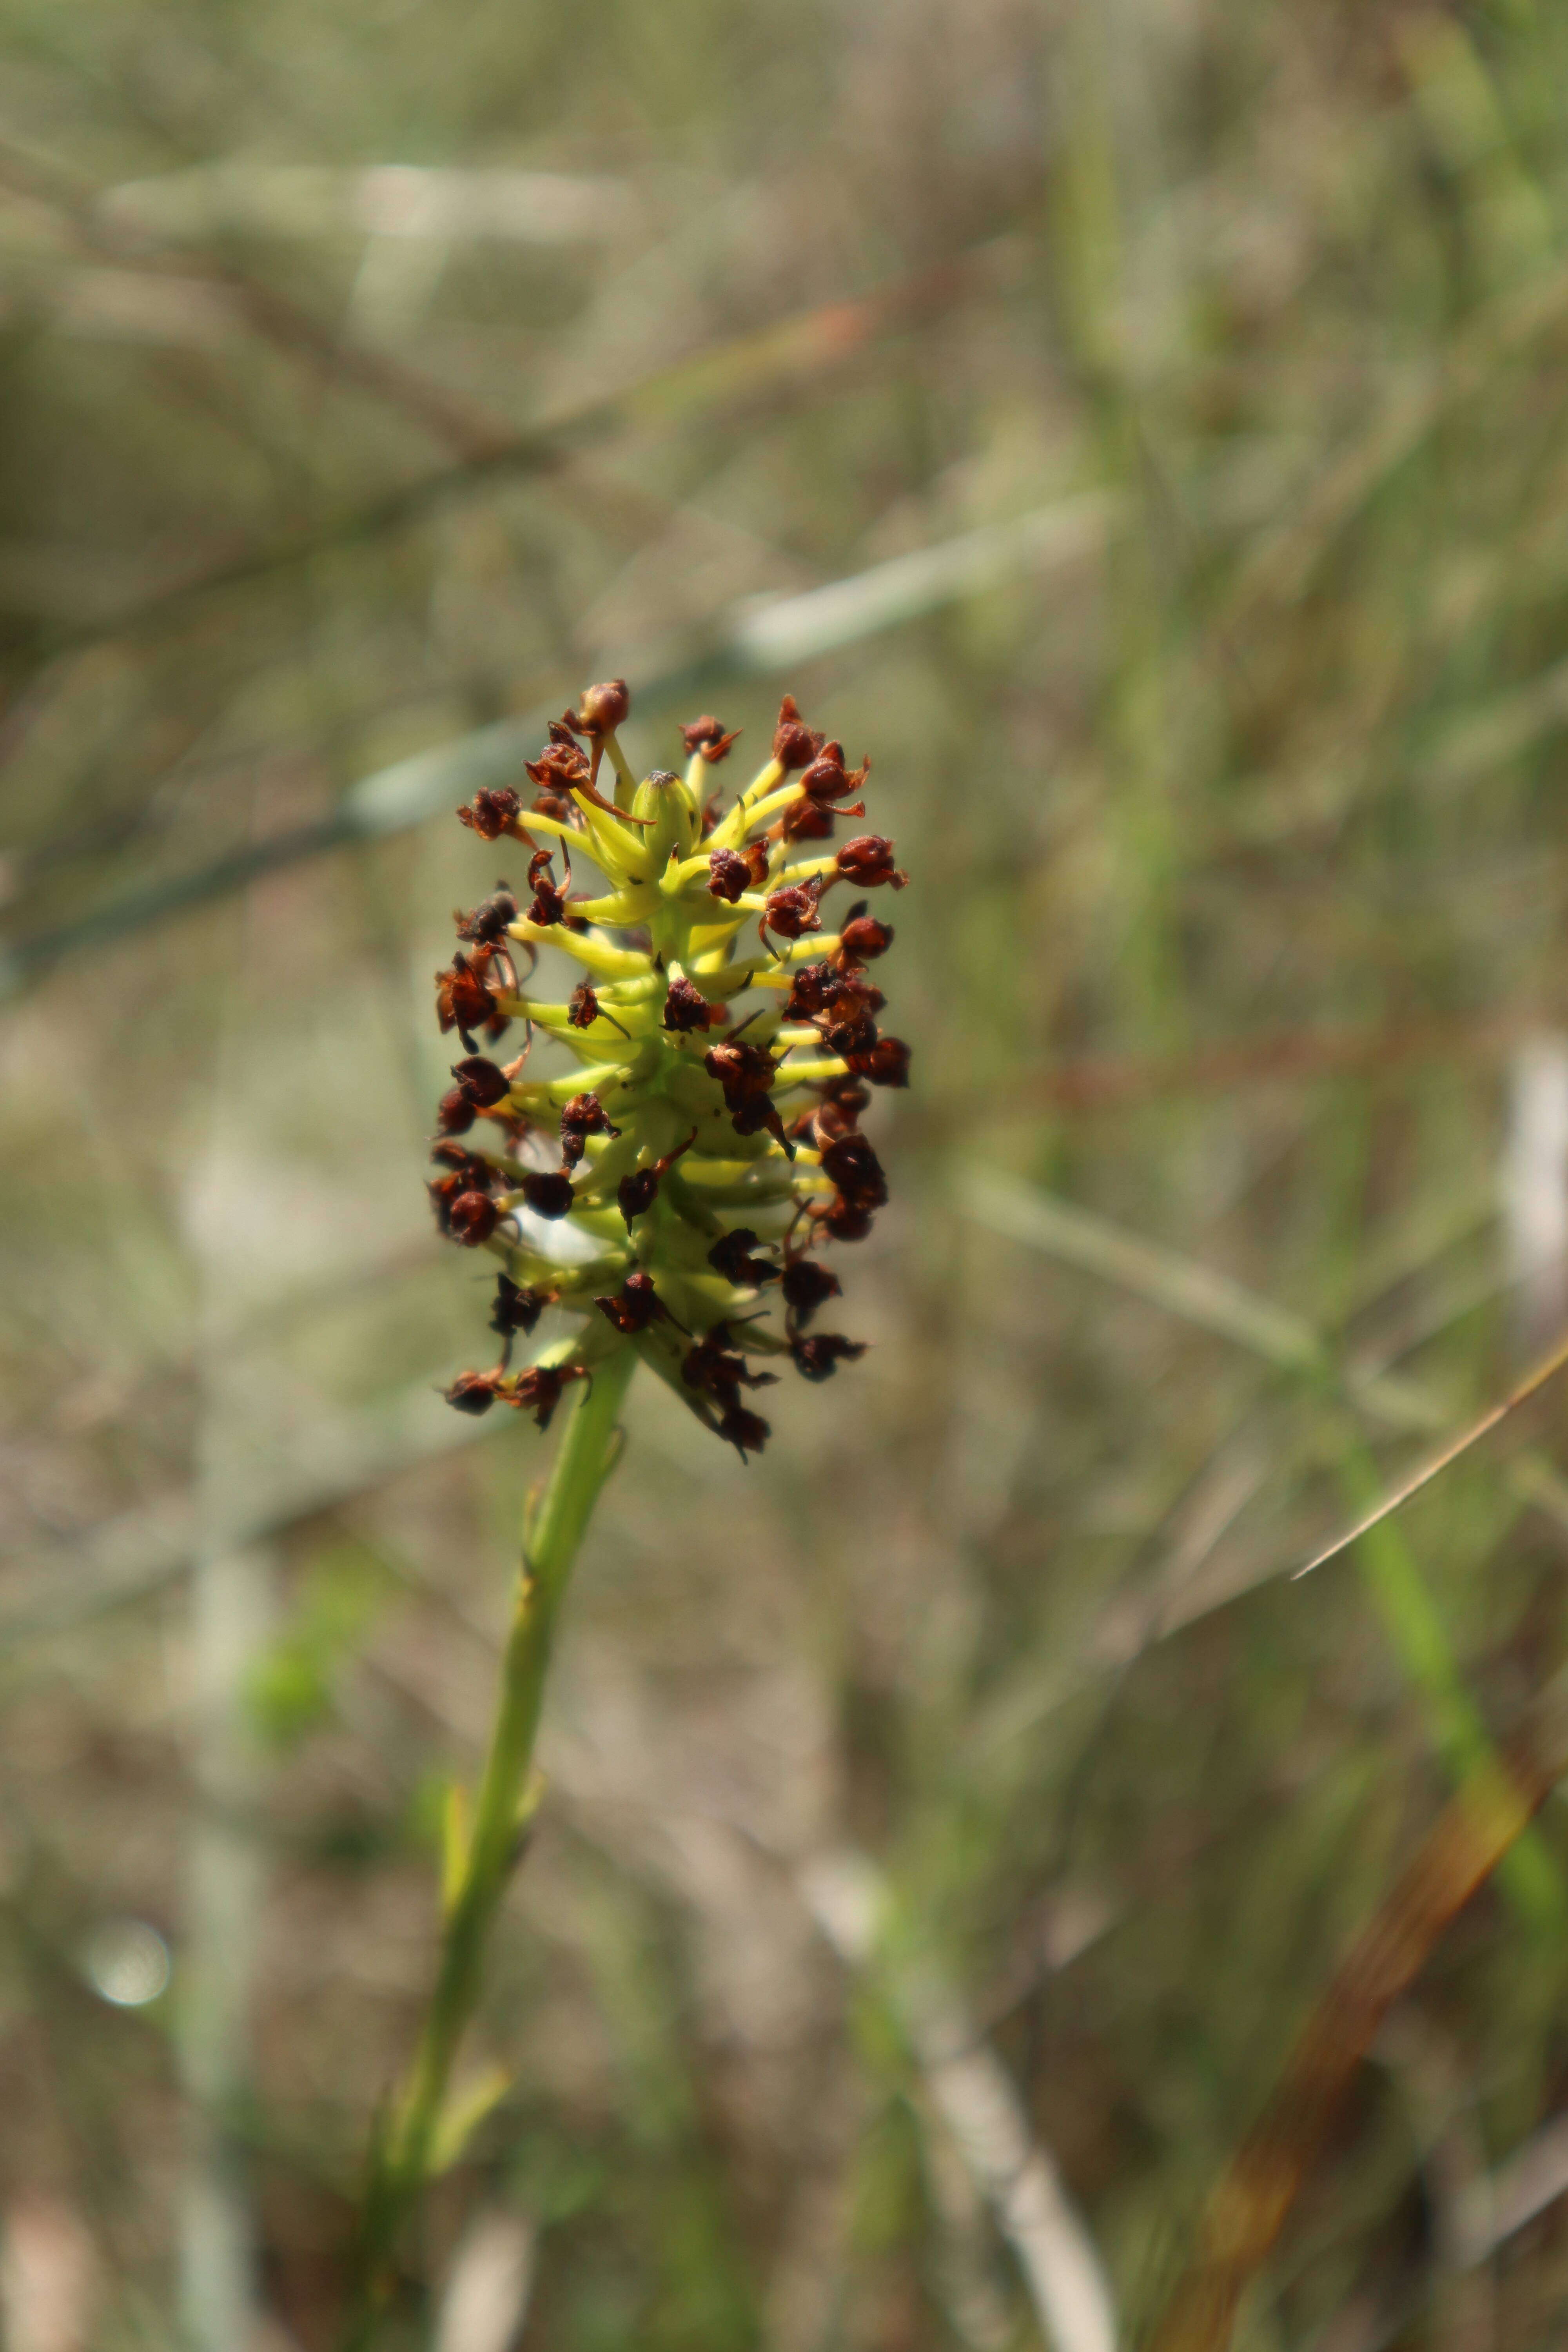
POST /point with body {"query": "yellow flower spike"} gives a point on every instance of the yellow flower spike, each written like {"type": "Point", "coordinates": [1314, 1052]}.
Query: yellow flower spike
{"type": "Point", "coordinates": [657, 1191]}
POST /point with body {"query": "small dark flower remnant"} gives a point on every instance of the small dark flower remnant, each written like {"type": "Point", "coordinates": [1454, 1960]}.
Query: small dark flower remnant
{"type": "Point", "coordinates": [465, 998]}
{"type": "Point", "coordinates": [807, 1286]}
{"type": "Point", "coordinates": [491, 814]}
{"type": "Point", "coordinates": [686, 1008]}
{"type": "Point", "coordinates": [636, 1193]}
{"type": "Point", "coordinates": [819, 1357]}
{"type": "Point", "coordinates": [716, 1272]}
{"type": "Point", "coordinates": [582, 1116]}
{"type": "Point", "coordinates": [738, 1258]}
{"type": "Point", "coordinates": [516, 1310]}
{"type": "Point", "coordinates": [707, 738]}
{"type": "Point", "coordinates": [793, 911]}
{"type": "Point", "coordinates": [635, 1305]}
{"type": "Point", "coordinates": [868, 860]}
{"type": "Point", "coordinates": [540, 1389]}
{"type": "Point", "coordinates": [472, 1392]}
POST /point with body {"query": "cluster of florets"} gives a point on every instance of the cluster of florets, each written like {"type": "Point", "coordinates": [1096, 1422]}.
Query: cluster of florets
{"type": "Point", "coordinates": [694, 1160]}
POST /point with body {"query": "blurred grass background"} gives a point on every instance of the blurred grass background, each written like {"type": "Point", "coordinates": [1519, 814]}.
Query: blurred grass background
{"type": "Point", "coordinates": [1169, 394]}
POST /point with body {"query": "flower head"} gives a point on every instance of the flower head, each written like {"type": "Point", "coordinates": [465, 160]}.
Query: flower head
{"type": "Point", "coordinates": [703, 1142]}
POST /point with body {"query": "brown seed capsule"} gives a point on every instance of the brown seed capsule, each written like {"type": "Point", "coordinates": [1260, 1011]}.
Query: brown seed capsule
{"type": "Point", "coordinates": [485, 925]}
{"type": "Point", "coordinates": [635, 1193]}
{"type": "Point", "coordinates": [516, 1309]}
{"type": "Point", "coordinates": [547, 1193]}
{"type": "Point", "coordinates": [583, 1008]}
{"type": "Point", "coordinates": [582, 1116]}
{"type": "Point", "coordinates": [538, 1389]}
{"type": "Point", "coordinates": [732, 1257]}
{"type": "Point", "coordinates": [635, 1305]}
{"type": "Point", "coordinates": [850, 1030]}
{"type": "Point", "coordinates": [604, 708]}
{"type": "Point", "coordinates": [868, 860]}
{"type": "Point", "coordinates": [820, 1358]}
{"type": "Point", "coordinates": [455, 1113]}
{"type": "Point", "coordinates": [808, 821]}
{"type": "Point", "coordinates": [728, 875]}
{"type": "Point", "coordinates": [717, 1368]}
{"type": "Point", "coordinates": [559, 767]}
{"type": "Point", "coordinates": [795, 744]}
{"type": "Point", "coordinates": [472, 1219]}
{"type": "Point", "coordinates": [792, 912]}
{"type": "Point", "coordinates": [707, 735]}
{"type": "Point", "coordinates": [472, 1392]}
{"type": "Point", "coordinates": [549, 898]}
{"type": "Point", "coordinates": [815, 987]}
{"type": "Point", "coordinates": [807, 1286]}
{"type": "Point", "coordinates": [747, 1432]}
{"type": "Point", "coordinates": [852, 1165]}
{"type": "Point", "coordinates": [686, 1008]}
{"type": "Point", "coordinates": [887, 1064]}
{"type": "Point", "coordinates": [492, 812]}
{"type": "Point", "coordinates": [464, 1000]}
{"type": "Point", "coordinates": [862, 938]}
{"type": "Point", "coordinates": [483, 1082]}
{"type": "Point", "coordinates": [743, 1069]}
{"type": "Point", "coordinates": [840, 1219]}
{"type": "Point", "coordinates": [826, 779]}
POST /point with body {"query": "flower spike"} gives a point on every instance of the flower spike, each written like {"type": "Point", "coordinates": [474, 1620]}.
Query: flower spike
{"type": "Point", "coordinates": [705, 1148]}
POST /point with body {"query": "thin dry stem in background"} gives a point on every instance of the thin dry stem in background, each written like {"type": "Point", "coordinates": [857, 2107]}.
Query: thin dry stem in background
{"type": "Point", "coordinates": [1251, 2204]}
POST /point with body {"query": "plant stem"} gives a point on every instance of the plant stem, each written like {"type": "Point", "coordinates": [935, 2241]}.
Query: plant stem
{"type": "Point", "coordinates": [401, 2160]}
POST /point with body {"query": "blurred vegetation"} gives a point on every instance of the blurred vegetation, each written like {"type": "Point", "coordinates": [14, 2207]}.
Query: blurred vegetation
{"type": "Point", "coordinates": [1227, 764]}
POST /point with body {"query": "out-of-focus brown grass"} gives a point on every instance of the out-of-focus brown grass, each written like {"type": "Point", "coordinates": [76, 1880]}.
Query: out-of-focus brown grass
{"type": "Point", "coordinates": [1235, 923]}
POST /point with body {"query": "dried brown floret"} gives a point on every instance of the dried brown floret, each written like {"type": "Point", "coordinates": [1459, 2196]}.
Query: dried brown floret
{"type": "Point", "coordinates": [472, 1392]}
{"type": "Point", "coordinates": [538, 1389]}
{"type": "Point", "coordinates": [481, 1081]}
{"type": "Point", "coordinates": [486, 924]}
{"type": "Point", "coordinates": [819, 1357]}
{"type": "Point", "coordinates": [465, 1000]}
{"type": "Point", "coordinates": [729, 874]}
{"type": "Point", "coordinates": [807, 1286]}
{"type": "Point", "coordinates": [793, 911]}
{"type": "Point", "coordinates": [686, 1008]}
{"type": "Point", "coordinates": [852, 1165]}
{"type": "Point", "coordinates": [707, 735]}
{"type": "Point", "coordinates": [516, 1309]}
{"type": "Point", "coordinates": [549, 897]}
{"type": "Point", "coordinates": [795, 744]}
{"type": "Point", "coordinates": [886, 1064]}
{"type": "Point", "coordinates": [868, 860]}
{"type": "Point", "coordinates": [635, 1305]}
{"type": "Point", "coordinates": [734, 1257]}
{"type": "Point", "coordinates": [747, 1432]}
{"type": "Point", "coordinates": [547, 1192]}
{"type": "Point", "coordinates": [583, 1116]}
{"type": "Point", "coordinates": [861, 938]}
{"type": "Point", "coordinates": [472, 1219]}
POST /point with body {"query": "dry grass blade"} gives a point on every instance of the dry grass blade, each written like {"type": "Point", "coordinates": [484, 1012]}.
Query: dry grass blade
{"type": "Point", "coordinates": [1181, 1286]}
{"type": "Point", "coordinates": [1534, 1380]}
{"type": "Point", "coordinates": [1249, 2207]}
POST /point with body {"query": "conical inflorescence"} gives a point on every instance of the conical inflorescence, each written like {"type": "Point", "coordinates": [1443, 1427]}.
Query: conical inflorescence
{"type": "Point", "coordinates": [676, 1187]}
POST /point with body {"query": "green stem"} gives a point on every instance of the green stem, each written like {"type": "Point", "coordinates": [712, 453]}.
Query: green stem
{"type": "Point", "coordinates": [401, 2160]}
